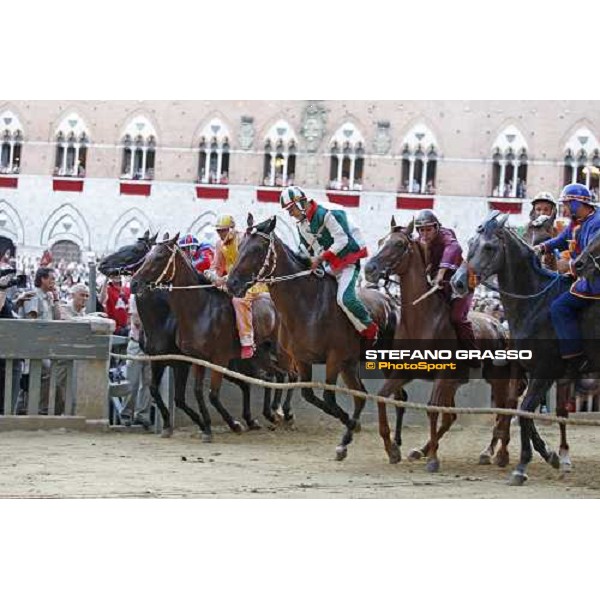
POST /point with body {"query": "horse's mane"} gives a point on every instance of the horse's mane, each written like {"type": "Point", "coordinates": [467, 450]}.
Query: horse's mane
{"type": "Point", "coordinates": [537, 265]}
{"type": "Point", "coordinates": [301, 261]}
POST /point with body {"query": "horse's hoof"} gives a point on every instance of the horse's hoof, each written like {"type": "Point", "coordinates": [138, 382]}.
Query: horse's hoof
{"type": "Point", "coordinates": [433, 465]}
{"type": "Point", "coordinates": [553, 460]}
{"type": "Point", "coordinates": [254, 425]}
{"type": "Point", "coordinates": [207, 438]}
{"type": "Point", "coordinates": [394, 455]}
{"type": "Point", "coordinates": [485, 459]}
{"type": "Point", "coordinates": [341, 452]}
{"type": "Point", "coordinates": [237, 427]}
{"type": "Point", "coordinates": [517, 478]}
{"type": "Point", "coordinates": [167, 432]}
{"type": "Point", "coordinates": [357, 427]}
{"type": "Point", "coordinates": [415, 454]}
{"type": "Point", "coordinates": [501, 460]}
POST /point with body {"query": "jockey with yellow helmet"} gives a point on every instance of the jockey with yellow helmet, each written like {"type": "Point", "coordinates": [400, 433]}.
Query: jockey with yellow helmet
{"type": "Point", "coordinates": [226, 252]}
{"type": "Point", "coordinates": [328, 237]}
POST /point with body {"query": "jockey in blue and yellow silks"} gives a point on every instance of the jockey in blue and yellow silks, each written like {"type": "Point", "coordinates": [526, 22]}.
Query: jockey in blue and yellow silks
{"type": "Point", "coordinates": [565, 310]}
{"type": "Point", "coordinates": [328, 237]}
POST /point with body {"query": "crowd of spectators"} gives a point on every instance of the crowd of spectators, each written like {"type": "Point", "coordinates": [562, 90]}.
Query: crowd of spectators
{"type": "Point", "coordinates": [57, 290]}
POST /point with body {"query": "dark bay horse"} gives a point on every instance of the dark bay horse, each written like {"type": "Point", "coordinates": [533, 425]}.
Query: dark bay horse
{"type": "Point", "coordinates": [205, 328]}
{"type": "Point", "coordinates": [159, 337]}
{"type": "Point", "coordinates": [527, 290]}
{"type": "Point", "coordinates": [314, 330]}
{"type": "Point", "coordinates": [405, 258]}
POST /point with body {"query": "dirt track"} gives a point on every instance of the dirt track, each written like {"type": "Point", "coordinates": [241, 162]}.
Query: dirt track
{"type": "Point", "coordinates": [282, 464]}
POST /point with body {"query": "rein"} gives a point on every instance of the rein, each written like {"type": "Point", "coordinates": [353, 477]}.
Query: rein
{"type": "Point", "coordinates": [264, 277]}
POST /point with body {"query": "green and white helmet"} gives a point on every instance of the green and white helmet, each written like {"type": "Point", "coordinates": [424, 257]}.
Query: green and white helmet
{"type": "Point", "coordinates": [293, 196]}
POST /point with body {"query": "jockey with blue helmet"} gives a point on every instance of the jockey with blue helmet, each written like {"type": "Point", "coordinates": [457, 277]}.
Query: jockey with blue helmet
{"type": "Point", "coordinates": [201, 254]}
{"type": "Point", "coordinates": [328, 237]}
{"type": "Point", "coordinates": [583, 227]}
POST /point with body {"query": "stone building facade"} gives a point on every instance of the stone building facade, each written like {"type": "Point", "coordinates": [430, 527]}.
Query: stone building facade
{"type": "Point", "coordinates": [93, 175]}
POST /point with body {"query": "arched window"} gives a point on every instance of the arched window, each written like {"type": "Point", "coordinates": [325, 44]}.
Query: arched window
{"type": "Point", "coordinates": [419, 161]}
{"type": "Point", "coordinates": [72, 140]}
{"type": "Point", "coordinates": [280, 155]}
{"type": "Point", "coordinates": [581, 151]}
{"type": "Point", "coordinates": [11, 140]}
{"type": "Point", "coordinates": [347, 159]}
{"type": "Point", "coordinates": [509, 170]}
{"type": "Point", "coordinates": [213, 163]}
{"type": "Point", "coordinates": [139, 150]}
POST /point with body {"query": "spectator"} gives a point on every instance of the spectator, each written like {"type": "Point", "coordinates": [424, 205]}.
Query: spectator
{"type": "Point", "coordinates": [75, 307]}
{"type": "Point", "coordinates": [43, 306]}
{"type": "Point", "coordinates": [136, 408]}
{"type": "Point", "coordinates": [114, 297]}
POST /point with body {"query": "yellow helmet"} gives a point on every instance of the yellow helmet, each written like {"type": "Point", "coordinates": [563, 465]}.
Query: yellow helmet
{"type": "Point", "coordinates": [225, 222]}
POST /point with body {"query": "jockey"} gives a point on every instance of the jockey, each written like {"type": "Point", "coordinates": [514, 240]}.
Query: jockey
{"type": "Point", "coordinates": [542, 217]}
{"type": "Point", "coordinates": [564, 311]}
{"type": "Point", "coordinates": [445, 256]}
{"type": "Point", "coordinates": [201, 255]}
{"type": "Point", "coordinates": [329, 238]}
{"type": "Point", "coordinates": [226, 253]}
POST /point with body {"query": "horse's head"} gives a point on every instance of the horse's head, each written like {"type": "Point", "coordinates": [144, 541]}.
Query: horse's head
{"type": "Point", "coordinates": [255, 256]}
{"type": "Point", "coordinates": [393, 254]}
{"type": "Point", "coordinates": [127, 258]}
{"type": "Point", "coordinates": [587, 264]}
{"type": "Point", "coordinates": [487, 249]}
{"type": "Point", "coordinates": [159, 265]}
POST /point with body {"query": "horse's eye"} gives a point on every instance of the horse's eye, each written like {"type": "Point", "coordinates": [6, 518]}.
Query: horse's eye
{"type": "Point", "coordinates": [487, 247]}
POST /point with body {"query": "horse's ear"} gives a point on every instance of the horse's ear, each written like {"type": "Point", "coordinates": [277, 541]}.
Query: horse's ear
{"type": "Point", "coordinates": [393, 223]}
{"type": "Point", "coordinates": [152, 240]}
{"type": "Point", "coordinates": [271, 225]}
{"type": "Point", "coordinates": [250, 220]}
{"type": "Point", "coordinates": [174, 239]}
{"type": "Point", "coordinates": [146, 235]}
{"type": "Point", "coordinates": [502, 220]}
{"type": "Point", "coordinates": [165, 236]}
{"type": "Point", "coordinates": [410, 228]}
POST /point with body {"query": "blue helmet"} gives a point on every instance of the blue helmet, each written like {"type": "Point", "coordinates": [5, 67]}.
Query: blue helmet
{"type": "Point", "coordinates": [188, 241]}
{"type": "Point", "coordinates": [578, 192]}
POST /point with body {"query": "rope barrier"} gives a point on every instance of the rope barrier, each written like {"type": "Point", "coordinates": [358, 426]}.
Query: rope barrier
{"type": "Point", "coordinates": [359, 394]}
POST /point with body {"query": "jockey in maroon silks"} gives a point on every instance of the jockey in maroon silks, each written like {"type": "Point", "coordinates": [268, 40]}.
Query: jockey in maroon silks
{"type": "Point", "coordinates": [445, 256]}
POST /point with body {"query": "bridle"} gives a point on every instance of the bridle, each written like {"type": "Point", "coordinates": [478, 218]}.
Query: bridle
{"type": "Point", "coordinates": [132, 268]}
{"type": "Point", "coordinates": [265, 273]}
{"type": "Point", "coordinates": [167, 277]}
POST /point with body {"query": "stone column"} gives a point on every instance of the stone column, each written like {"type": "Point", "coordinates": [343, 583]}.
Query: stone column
{"type": "Point", "coordinates": [411, 172]}
{"type": "Point", "coordinates": [513, 191]}
{"type": "Point", "coordinates": [424, 176]}
{"type": "Point", "coordinates": [502, 177]}
{"type": "Point", "coordinates": [219, 163]}
{"type": "Point", "coordinates": [206, 165]}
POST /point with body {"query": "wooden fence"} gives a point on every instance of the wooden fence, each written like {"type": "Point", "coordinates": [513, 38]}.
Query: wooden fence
{"type": "Point", "coordinates": [67, 363]}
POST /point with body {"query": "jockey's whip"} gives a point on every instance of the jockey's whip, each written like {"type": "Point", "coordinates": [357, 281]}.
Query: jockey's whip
{"type": "Point", "coordinates": [428, 293]}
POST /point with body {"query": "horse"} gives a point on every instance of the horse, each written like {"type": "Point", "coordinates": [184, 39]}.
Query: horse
{"type": "Point", "coordinates": [159, 337]}
{"type": "Point", "coordinates": [429, 319]}
{"type": "Point", "coordinates": [206, 327]}
{"type": "Point", "coordinates": [314, 330]}
{"type": "Point", "coordinates": [527, 290]}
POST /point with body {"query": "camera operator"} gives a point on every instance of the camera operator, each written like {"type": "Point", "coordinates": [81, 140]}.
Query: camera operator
{"type": "Point", "coordinates": [9, 303]}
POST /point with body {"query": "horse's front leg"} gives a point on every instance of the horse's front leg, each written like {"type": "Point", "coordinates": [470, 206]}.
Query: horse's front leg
{"type": "Point", "coordinates": [563, 391]}
{"type": "Point", "coordinates": [530, 435]}
{"type": "Point", "coordinates": [216, 380]}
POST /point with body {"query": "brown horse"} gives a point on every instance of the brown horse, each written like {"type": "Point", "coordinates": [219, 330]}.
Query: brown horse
{"type": "Point", "coordinates": [313, 327]}
{"type": "Point", "coordinates": [206, 326]}
{"type": "Point", "coordinates": [430, 319]}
